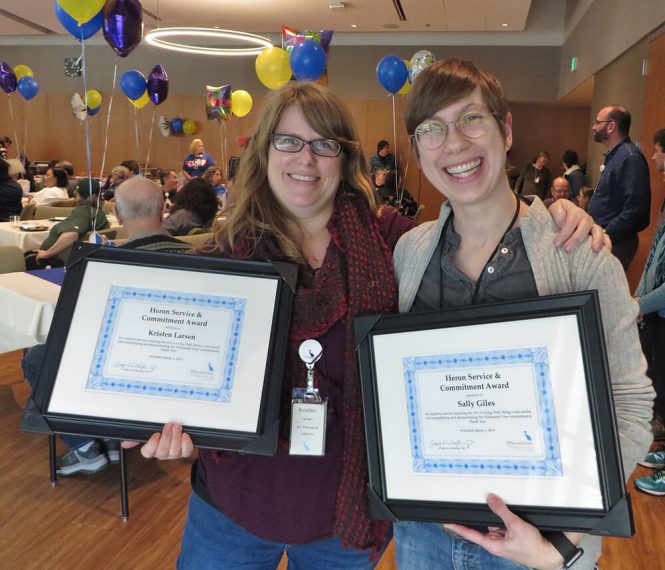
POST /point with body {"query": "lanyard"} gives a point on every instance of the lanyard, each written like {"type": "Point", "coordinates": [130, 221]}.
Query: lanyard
{"type": "Point", "coordinates": [476, 288]}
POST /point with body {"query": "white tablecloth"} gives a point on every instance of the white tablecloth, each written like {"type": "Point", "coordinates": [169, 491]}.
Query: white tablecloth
{"type": "Point", "coordinates": [26, 310]}
{"type": "Point", "coordinates": [27, 241]}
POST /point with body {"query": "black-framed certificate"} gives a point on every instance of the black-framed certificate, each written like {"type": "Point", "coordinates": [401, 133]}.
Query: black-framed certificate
{"type": "Point", "coordinates": [142, 338]}
{"type": "Point", "coordinates": [509, 398]}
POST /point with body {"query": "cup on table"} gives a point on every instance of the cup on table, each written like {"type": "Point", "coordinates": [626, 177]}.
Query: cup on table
{"type": "Point", "coordinates": [15, 221]}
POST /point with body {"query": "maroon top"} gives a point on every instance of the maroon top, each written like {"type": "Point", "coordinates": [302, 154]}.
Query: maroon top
{"type": "Point", "coordinates": [287, 498]}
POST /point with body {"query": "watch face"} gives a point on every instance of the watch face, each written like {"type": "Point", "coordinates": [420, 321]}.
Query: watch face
{"type": "Point", "coordinates": [73, 67]}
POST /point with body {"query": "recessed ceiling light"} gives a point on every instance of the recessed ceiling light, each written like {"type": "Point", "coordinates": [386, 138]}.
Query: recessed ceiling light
{"type": "Point", "coordinates": [391, 26]}
{"type": "Point", "coordinates": [504, 25]}
{"type": "Point", "coordinates": [354, 25]}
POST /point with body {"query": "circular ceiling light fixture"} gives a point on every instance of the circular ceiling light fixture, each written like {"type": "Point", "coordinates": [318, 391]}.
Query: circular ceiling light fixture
{"type": "Point", "coordinates": [158, 38]}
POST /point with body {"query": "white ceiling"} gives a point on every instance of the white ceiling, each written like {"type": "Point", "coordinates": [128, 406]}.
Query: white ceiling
{"type": "Point", "coordinates": [377, 21]}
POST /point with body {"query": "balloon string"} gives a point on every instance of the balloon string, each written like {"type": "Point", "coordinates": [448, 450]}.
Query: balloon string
{"type": "Point", "coordinates": [136, 132]}
{"type": "Point", "coordinates": [93, 213]}
{"type": "Point", "coordinates": [11, 114]}
{"type": "Point", "coordinates": [108, 122]}
{"type": "Point", "coordinates": [397, 189]}
{"type": "Point", "coordinates": [25, 142]}
{"type": "Point", "coordinates": [225, 149]}
{"type": "Point", "coordinates": [152, 127]}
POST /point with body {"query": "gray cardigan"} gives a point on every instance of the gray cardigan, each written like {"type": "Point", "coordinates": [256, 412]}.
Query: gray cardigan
{"type": "Point", "coordinates": [556, 271]}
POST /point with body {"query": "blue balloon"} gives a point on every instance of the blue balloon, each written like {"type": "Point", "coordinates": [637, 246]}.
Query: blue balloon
{"type": "Point", "coordinates": [85, 30]}
{"type": "Point", "coordinates": [176, 125]}
{"type": "Point", "coordinates": [93, 112]}
{"type": "Point", "coordinates": [308, 61]}
{"type": "Point", "coordinates": [392, 73]}
{"type": "Point", "coordinates": [133, 84]}
{"type": "Point", "coordinates": [28, 87]}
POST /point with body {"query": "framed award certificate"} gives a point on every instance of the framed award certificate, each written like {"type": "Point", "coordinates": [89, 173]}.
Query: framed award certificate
{"type": "Point", "coordinates": [142, 338]}
{"type": "Point", "coordinates": [509, 398]}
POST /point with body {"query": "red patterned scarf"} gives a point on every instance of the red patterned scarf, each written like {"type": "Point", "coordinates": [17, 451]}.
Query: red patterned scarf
{"type": "Point", "coordinates": [356, 278]}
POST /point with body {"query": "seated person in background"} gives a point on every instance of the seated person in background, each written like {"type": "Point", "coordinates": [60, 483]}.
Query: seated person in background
{"type": "Point", "coordinates": [195, 206]}
{"type": "Point", "coordinates": [72, 181]}
{"type": "Point", "coordinates": [573, 173]}
{"type": "Point", "coordinates": [383, 159]}
{"type": "Point", "coordinates": [132, 166]}
{"type": "Point", "coordinates": [118, 175]}
{"type": "Point", "coordinates": [536, 178]}
{"type": "Point", "coordinates": [169, 182]}
{"type": "Point", "coordinates": [55, 188]}
{"type": "Point", "coordinates": [214, 176]}
{"type": "Point", "coordinates": [83, 219]}
{"type": "Point", "coordinates": [17, 174]}
{"type": "Point", "coordinates": [197, 161]}
{"type": "Point", "coordinates": [583, 197]}
{"type": "Point", "coordinates": [387, 193]}
{"type": "Point", "coordinates": [560, 190]}
{"type": "Point", "coordinates": [10, 194]}
{"type": "Point", "coordinates": [138, 206]}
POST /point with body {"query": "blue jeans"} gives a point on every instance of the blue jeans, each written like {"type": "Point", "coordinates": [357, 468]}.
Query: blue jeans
{"type": "Point", "coordinates": [213, 541]}
{"type": "Point", "coordinates": [32, 364]}
{"type": "Point", "coordinates": [425, 546]}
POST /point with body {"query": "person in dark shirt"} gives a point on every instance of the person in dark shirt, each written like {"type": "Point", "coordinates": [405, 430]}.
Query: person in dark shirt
{"type": "Point", "coordinates": [621, 202]}
{"type": "Point", "coordinates": [383, 159]}
{"type": "Point", "coordinates": [10, 194]}
{"type": "Point", "coordinates": [536, 178]}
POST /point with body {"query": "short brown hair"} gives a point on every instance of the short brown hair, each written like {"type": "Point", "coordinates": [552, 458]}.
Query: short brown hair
{"type": "Point", "coordinates": [256, 209]}
{"type": "Point", "coordinates": [447, 81]}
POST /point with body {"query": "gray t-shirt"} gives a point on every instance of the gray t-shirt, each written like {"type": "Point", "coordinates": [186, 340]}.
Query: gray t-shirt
{"type": "Point", "coordinates": [507, 277]}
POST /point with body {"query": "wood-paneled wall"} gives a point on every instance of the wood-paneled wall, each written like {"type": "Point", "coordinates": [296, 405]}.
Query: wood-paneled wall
{"type": "Point", "coordinates": [47, 129]}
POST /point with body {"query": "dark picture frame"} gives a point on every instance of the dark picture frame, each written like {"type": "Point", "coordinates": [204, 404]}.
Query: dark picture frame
{"type": "Point", "coordinates": [107, 373]}
{"type": "Point", "coordinates": [406, 484]}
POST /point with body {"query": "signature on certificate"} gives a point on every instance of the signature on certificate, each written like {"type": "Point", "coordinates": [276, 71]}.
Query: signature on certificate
{"type": "Point", "coordinates": [442, 444]}
{"type": "Point", "coordinates": [140, 367]}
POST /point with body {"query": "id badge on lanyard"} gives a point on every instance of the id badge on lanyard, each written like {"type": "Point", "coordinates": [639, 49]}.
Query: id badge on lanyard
{"type": "Point", "coordinates": [308, 410]}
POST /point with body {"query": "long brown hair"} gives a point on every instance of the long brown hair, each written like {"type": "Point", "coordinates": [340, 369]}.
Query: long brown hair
{"type": "Point", "coordinates": [255, 210]}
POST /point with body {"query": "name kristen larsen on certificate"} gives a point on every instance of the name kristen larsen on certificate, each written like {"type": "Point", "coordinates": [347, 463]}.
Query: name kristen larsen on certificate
{"type": "Point", "coordinates": [163, 316]}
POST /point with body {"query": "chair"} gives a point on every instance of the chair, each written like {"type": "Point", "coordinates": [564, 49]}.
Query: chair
{"type": "Point", "coordinates": [196, 239]}
{"type": "Point", "coordinates": [46, 212]}
{"type": "Point", "coordinates": [69, 203]}
{"type": "Point", "coordinates": [28, 212]}
{"type": "Point", "coordinates": [12, 259]}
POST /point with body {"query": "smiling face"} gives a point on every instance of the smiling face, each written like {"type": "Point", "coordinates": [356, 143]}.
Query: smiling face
{"type": "Point", "coordinates": [303, 182]}
{"type": "Point", "coordinates": [467, 170]}
{"type": "Point", "coordinates": [200, 148]}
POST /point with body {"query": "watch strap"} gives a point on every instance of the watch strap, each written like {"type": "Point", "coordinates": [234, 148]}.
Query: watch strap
{"type": "Point", "coordinates": [570, 552]}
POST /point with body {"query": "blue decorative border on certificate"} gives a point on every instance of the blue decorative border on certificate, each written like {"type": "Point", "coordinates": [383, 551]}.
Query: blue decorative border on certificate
{"type": "Point", "coordinates": [98, 381]}
{"type": "Point", "coordinates": [550, 465]}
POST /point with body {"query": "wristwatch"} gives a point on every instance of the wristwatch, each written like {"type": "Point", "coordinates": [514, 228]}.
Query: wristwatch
{"type": "Point", "coordinates": [569, 551]}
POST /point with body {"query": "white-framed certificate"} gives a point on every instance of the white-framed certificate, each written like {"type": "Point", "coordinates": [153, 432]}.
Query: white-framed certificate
{"type": "Point", "coordinates": [141, 338]}
{"type": "Point", "coordinates": [510, 398]}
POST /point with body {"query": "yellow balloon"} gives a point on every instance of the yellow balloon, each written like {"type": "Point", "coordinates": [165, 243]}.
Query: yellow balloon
{"type": "Point", "coordinates": [82, 10]}
{"type": "Point", "coordinates": [189, 127]}
{"type": "Point", "coordinates": [272, 67]}
{"type": "Point", "coordinates": [22, 71]}
{"type": "Point", "coordinates": [141, 102]}
{"type": "Point", "coordinates": [94, 98]}
{"type": "Point", "coordinates": [241, 103]}
{"type": "Point", "coordinates": [404, 90]}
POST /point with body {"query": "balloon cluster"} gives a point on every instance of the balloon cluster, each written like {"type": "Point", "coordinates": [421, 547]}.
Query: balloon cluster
{"type": "Point", "coordinates": [19, 78]}
{"type": "Point", "coordinates": [90, 106]}
{"type": "Point", "coordinates": [221, 102]}
{"type": "Point", "coordinates": [140, 90]}
{"type": "Point", "coordinates": [304, 56]}
{"type": "Point", "coordinates": [176, 126]}
{"type": "Point", "coordinates": [396, 75]}
{"type": "Point", "coordinates": [121, 20]}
